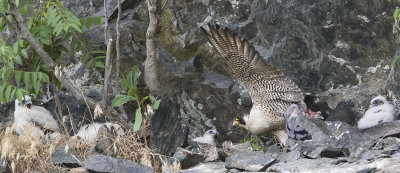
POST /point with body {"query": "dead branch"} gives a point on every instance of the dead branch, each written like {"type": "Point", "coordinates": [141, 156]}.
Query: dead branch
{"type": "Point", "coordinates": [118, 50]}
{"type": "Point", "coordinates": [151, 75]}
{"type": "Point", "coordinates": [26, 35]}
{"type": "Point", "coordinates": [58, 108]}
{"type": "Point", "coordinates": [105, 21]}
{"type": "Point", "coordinates": [118, 60]}
{"type": "Point", "coordinates": [107, 73]}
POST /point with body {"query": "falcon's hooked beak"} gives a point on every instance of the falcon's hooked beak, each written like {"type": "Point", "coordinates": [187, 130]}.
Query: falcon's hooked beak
{"type": "Point", "coordinates": [27, 103]}
{"type": "Point", "coordinates": [238, 121]}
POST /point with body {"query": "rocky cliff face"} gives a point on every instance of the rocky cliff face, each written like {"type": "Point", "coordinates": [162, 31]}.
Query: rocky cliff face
{"type": "Point", "coordinates": [338, 52]}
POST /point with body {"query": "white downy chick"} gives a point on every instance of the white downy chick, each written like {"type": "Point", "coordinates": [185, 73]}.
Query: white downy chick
{"type": "Point", "coordinates": [208, 137]}
{"type": "Point", "coordinates": [379, 111]}
{"type": "Point", "coordinates": [28, 118]}
{"type": "Point", "coordinates": [89, 132]}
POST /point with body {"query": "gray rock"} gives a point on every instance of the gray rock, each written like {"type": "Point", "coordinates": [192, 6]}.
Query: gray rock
{"type": "Point", "coordinates": [167, 131]}
{"type": "Point", "coordinates": [217, 167]}
{"type": "Point", "coordinates": [60, 157]}
{"type": "Point", "coordinates": [3, 167]}
{"type": "Point", "coordinates": [105, 141]}
{"type": "Point", "coordinates": [345, 111]}
{"type": "Point", "coordinates": [330, 165]}
{"type": "Point", "coordinates": [250, 161]}
{"type": "Point", "coordinates": [188, 158]}
{"type": "Point", "coordinates": [6, 115]}
{"type": "Point", "coordinates": [101, 163]}
{"type": "Point", "coordinates": [73, 108]}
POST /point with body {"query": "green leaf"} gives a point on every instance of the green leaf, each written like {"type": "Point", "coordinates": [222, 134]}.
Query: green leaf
{"type": "Point", "coordinates": [74, 44]}
{"type": "Point", "coordinates": [2, 98]}
{"type": "Point", "coordinates": [17, 3]}
{"type": "Point", "coordinates": [100, 64]}
{"type": "Point", "coordinates": [76, 27]}
{"type": "Point", "coordinates": [156, 104]}
{"type": "Point", "coordinates": [17, 59]}
{"type": "Point", "coordinates": [256, 146]}
{"type": "Point", "coordinates": [24, 53]}
{"type": "Point", "coordinates": [27, 80]}
{"type": "Point", "coordinates": [97, 51]}
{"type": "Point", "coordinates": [124, 83]}
{"type": "Point", "coordinates": [396, 14]}
{"type": "Point", "coordinates": [85, 57]}
{"type": "Point", "coordinates": [13, 93]}
{"type": "Point", "coordinates": [19, 94]}
{"type": "Point", "coordinates": [132, 91]}
{"type": "Point", "coordinates": [18, 75]}
{"type": "Point", "coordinates": [45, 78]}
{"type": "Point", "coordinates": [15, 47]}
{"type": "Point", "coordinates": [121, 99]}
{"type": "Point", "coordinates": [34, 77]}
{"type": "Point", "coordinates": [36, 86]}
{"type": "Point", "coordinates": [8, 92]}
{"type": "Point", "coordinates": [138, 119]}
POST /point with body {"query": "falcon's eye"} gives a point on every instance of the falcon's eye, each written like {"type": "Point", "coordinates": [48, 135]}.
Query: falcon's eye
{"type": "Point", "coordinates": [377, 102]}
{"type": "Point", "coordinates": [23, 101]}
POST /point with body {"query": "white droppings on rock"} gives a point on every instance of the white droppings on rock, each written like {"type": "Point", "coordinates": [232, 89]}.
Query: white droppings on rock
{"type": "Point", "coordinates": [350, 68]}
{"type": "Point", "coordinates": [387, 67]}
{"type": "Point", "coordinates": [190, 112]}
{"type": "Point", "coordinates": [363, 18]}
{"type": "Point", "coordinates": [328, 26]}
{"type": "Point", "coordinates": [373, 69]}
{"type": "Point", "coordinates": [84, 82]}
{"type": "Point", "coordinates": [342, 45]}
{"type": "Point", "coordinates": [235, 4]}
{"type": "Point", "coordinates": [338, 60]}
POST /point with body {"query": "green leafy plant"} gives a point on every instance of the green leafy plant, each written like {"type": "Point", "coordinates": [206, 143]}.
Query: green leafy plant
{"type": "Point", "coordinates": [54, 27]}
{"type": "Point", "coordinates": [130, 82]}
{"type": "Point", "coordinates": [396, 15]}
{"type": "Point", "coordinates": [253, 143]}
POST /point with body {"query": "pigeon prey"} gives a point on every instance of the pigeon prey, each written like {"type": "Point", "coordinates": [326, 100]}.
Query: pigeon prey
{"type": "Point", "coordinates": [208, 137]}
{"type": "Point", "coordinates": [293, 128]}
{"type": "Point", "coordinates": [29, 119]}
{"type": "Point", "coordinates": [379, 111]}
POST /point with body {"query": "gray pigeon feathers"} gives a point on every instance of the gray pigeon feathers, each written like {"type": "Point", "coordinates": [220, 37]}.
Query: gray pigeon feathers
{"type": "Point", "coordinates": [293, 129]}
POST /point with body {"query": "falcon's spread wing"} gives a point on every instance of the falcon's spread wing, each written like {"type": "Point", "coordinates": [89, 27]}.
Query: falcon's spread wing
{"type": "Point", "coordinates": [266, 85]}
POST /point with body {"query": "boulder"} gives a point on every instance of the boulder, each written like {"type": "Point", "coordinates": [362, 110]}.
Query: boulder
{"type": "Point", "coordinates": [102, 163]}
{"type": "Point", "coordinates": [167, 131]}
{"type": "Point", "coordinates": [61, 158]}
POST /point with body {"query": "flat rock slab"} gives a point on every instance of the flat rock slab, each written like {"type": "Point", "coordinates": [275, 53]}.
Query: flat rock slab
{"type": "Point", "coordinates": [250, 161]}
{"type": "Point", "coordinates": [215, 167]}
{"type": "Point", "coordinates": [102, 163]}
{"type": "Point", "coordinates": [60, 157]}
{"type": "Point", "coordinates": [331, 165]}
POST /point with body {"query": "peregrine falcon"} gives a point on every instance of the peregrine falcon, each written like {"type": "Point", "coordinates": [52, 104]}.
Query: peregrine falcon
{"type": "Point", "coordinates": [270, 90]}
{"type": "Point", "coordinates": [28, 118]}
{"type": "Point", "coordinates": [379, 111]}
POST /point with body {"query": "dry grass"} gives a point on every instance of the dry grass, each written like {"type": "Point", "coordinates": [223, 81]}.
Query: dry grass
{"type": "Point", "coordinates": [128, 146]}
{"type": "Point", "coordinates": [26, 154]}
